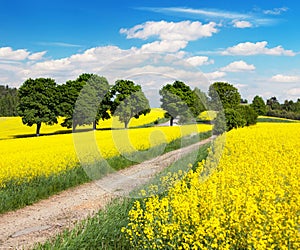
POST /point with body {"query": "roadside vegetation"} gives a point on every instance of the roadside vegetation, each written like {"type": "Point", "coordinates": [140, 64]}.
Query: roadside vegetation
{"type": "Point", "coordinates": [242, 192]}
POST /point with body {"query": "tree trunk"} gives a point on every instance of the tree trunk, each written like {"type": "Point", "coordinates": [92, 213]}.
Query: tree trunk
{"type": "Point", "coordinates": [171, 121]}
{"type": "Point", "coordinates": [38, 127]}
{"type": "Point", "coordinates": [74, 127]}
{"type": "Point", "coordinates": [126, 124]}
{"type": "Point", "coordinates": [94, 125]}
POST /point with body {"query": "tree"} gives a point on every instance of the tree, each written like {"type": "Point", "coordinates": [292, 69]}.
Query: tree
{"type": "Point", "coordinates": [38, 102]}
{"type": "Point", "coordinates": [200, 102]}
{"type": "Point", "coordinates": [68, 94]}
{"type": "Point", "coordinates": [179, 100]}
{"type": "Point", "coordinates": [243, 101]}
{"type": "Point", "coordinates": [273, 103]}
{"type": "Point", "coordinates": [225, 93]}
{"type": "Point", "coordinates": [92, 103]}
{"type": "Point", "coordinates": [84, 101]}
{"type": "Point", "coordinates": [259, 105]}
{"type": "Point", "coordinates": [233, 119]}
{"type": "Point", "coordinates": [289, 106]}
{"type": "Point", "coordinates": [128, 101]}
{"type": "Point", "coordinates": [248, 114]}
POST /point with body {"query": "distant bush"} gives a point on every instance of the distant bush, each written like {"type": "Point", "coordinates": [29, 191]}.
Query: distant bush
{"type": "Point", "coordinates": [284, 114]}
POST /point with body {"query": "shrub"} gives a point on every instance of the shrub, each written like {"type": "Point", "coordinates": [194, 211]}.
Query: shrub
{"type": "Point", "coordinates": [234, 119]}
{"type": "Point", "coordinates": [248, 113]}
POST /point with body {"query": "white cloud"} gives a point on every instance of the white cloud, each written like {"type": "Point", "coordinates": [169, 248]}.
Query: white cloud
{"type": "Point", "coordinates": [199, 60]}
{"type": "Point", "coordinates": [110, 61]}
{"type": "Point", "coordinates": [7, 53]}
{"type": "Point", "coordinates": [241, 24]}
{"type": "Point", "coordinates": [238, 66]}
{"type": "Point", "coordinates": [217, 75]}
{"type": "Point", "coordinates": [276, 11]}
{"type": "Point", "coordinates": [285, 78]}
{"type": "Point", "coordinates": [166, 31]}
{"type": "Point", "coordinates": [239, 85]}
{"type": "Point", "coordinates": [37, 56]}
{"type": "Point", "coordinates": [164, 46]}
{"type": "Point", "coordinates": [249, 49]}
{"type": "Point", "coordinates": [294, 92]}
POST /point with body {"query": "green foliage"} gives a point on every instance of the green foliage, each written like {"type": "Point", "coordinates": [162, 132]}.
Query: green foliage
{"type": "Point", "coordinates": [128, 101]}
{"type": "Point", "coordinates": [8, 101]}
{"type": "Point", "coordinates": [91, 105]}
{"type": "Point", "coordinates": [68, 94]}
{"type": "Point", "coordinates": [84, 100]}
{"type": "Point", "coordinates": [219, 124]}
{"type": "Point", "coordinates": [38, 102]}
{"type": "Point", "coordinates": [179, 100]}
{"type": "Point", "coordinates": [273, 104]}
{"type": "Point", "coordinates": [288, 110]}
{"type": "Point", "coordinates": [200, 102]}
{"type": "Point", "coordinates": [284, 114]}
{"type": "Point", "coordinates": [242, 115]}
{"type": "Point", "coordinates": [234, 119]}
{"type": "Point", "coordinates": [259, 105]}
{"type": "Point", "coordinates": [18, 194]}
{"type": "Point", "coordinates": [291, 106]}
{"type": "Point", "coordinates": [248, 114]}
{"type": "Point", "coordinates": [225, 93]}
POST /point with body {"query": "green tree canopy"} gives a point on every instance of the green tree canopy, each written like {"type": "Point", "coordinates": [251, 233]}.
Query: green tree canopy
{"type": "Point", "coordinates": [38, 102]}
{"type": "Point", "coordinates": [179, 100]}
{"type": "Point", "coordinates": [84, 100]}
{"type": "Point", "coordinates": [68, 94]}
{"type": "Point", "coordinates": [273, 104]}
{"type": "Point", "coordinates": [92, 103]}
{"type": "Point", "coordinates": [259, 105]}
{"type": "Point", "coordinates": [248, 114]}
{"type": "Point", "coordinates": [200, 102]}
{"type": "Point", "coordinates": [234, 119]}
{"type": "Point", "coordinates": [225, 93]}
{"type": "Point", "coordinates": [128, 101]}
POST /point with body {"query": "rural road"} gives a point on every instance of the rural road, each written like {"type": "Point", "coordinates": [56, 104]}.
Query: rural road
{"type": "Point", "coordinates": [22, 228]}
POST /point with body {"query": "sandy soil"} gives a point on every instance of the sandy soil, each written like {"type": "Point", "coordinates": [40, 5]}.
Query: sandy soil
{"type": "Point", "coordinates": [22, 228]}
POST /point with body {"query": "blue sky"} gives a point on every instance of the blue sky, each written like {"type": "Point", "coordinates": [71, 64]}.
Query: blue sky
{"type": "Point", "coordinates": [253, 44]}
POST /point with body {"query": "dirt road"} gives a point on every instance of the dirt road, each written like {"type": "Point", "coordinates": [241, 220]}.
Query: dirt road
{"type": "Point", "coordinates": [24, 227]}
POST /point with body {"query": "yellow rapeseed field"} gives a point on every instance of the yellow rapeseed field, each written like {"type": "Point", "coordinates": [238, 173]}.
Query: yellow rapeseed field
{"type": "Point", "coordinates": [11, 127]}
{"type": "Point", "coordinates": [26, 158]}
{"type": "Point", "coordinates": [251, 200]}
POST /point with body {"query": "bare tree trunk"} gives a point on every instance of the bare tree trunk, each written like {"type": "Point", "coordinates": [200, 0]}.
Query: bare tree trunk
{"type": "Point", "coordinates": [38, 127]}
{"type": "Point", "coordinates": [94, 125]}
{"type": "Point", "coordinates": [74, 127]}
{"type": "Point", "coordinates": [171, 121]}
{"type": "Point", "coordinates": [126, 124]}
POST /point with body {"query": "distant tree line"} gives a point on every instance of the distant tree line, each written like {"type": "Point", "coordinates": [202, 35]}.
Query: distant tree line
{"type": "Point", "coordinates": [288, 109]}
{"type": "Point", "coordinates": [8, 101]}
{"type": "Point", "coordinates": [90, 98]}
